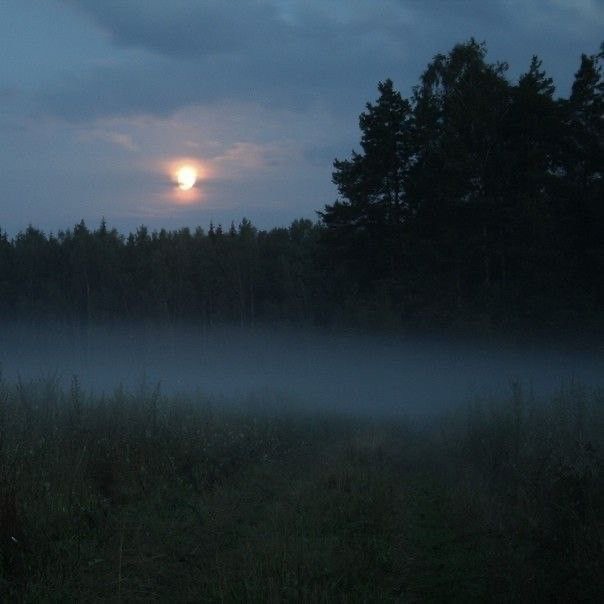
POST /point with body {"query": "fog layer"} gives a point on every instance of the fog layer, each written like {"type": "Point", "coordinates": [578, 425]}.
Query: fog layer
{"type": "Point", "coordinates": [343, 372]}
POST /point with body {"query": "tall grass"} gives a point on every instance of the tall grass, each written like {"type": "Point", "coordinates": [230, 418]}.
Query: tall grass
{"type": "Point", "coordinates": [531, 472]}
{"type": "Point", "coordinates": [74, 466]}
{"type": "Point", "coordinates": [140, 497]}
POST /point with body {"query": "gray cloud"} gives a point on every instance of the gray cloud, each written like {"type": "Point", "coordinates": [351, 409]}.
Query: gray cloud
{"type": "Point", "coordinates": [291, 54]}
{"type": "Point", "coordinates": [182, 28]}
{"type": "Point", "coordinates": [199, 52]}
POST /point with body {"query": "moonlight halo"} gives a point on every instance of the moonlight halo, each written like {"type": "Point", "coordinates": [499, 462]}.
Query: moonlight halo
{"type": "Point", "coordinates": [186, 177]}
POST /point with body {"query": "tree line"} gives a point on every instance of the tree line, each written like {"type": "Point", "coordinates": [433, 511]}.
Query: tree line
{"type": "Point", "coordinates": [240, 275]}
{"type": "Point", "coordinates": [476, 200]}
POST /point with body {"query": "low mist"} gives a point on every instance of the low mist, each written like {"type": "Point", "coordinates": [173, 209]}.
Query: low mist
{"type": "Point", "coordinates": [345, 372]}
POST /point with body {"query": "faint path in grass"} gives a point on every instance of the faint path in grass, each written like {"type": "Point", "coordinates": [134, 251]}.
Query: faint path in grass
{"type": "Point", "coordinates": [350, 520]}
{"type": "Point", "coordinates": [450, 560]}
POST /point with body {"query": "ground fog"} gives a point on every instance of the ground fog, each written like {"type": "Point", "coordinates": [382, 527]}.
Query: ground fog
{"type": "Point", "coordinates": [375, 374]}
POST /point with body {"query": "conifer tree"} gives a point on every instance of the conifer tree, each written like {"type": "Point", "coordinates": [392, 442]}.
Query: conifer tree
{"type": "Point", "coordinates": [364, 225]}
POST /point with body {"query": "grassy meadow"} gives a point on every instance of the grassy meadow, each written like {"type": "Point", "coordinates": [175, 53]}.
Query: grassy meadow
{"type": "Point", "coordinates": [138, 497]}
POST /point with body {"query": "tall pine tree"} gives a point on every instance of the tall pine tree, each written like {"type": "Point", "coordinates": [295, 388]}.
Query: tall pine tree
{"type": "Point", "coordinates": [364, 226]}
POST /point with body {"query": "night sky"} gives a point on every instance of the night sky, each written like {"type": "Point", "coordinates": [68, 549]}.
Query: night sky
{"type": "Point", "coordinates": [100, 101]}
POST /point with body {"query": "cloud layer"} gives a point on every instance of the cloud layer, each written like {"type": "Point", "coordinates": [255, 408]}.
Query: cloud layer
{"type": "Point", "coordinates": [96, 94]}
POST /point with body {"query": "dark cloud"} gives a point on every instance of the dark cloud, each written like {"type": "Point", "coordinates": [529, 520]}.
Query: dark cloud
{"type": "Point", "coordinates": [182, 28]}
{"type": "Point", "coordinates": [286, 53]}
{"type": "Point", "coordinates": [211, 50]}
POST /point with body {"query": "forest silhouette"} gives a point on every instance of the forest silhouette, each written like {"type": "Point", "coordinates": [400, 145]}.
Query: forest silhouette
{"type": "Point", "coordinates": [476, 201]}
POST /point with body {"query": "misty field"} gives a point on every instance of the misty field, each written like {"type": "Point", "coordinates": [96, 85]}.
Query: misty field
{"type": "Point", "coordinates": [141, 497]}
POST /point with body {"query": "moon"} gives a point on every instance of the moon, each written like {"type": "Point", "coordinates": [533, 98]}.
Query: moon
{"type": "Point", "coordinates": [186, 177]}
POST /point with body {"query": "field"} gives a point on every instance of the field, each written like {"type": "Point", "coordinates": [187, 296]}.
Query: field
{"type": "Point", "coordinates": [142, 497]}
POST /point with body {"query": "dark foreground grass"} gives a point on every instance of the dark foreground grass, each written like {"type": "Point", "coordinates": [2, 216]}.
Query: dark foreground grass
{"type": "Point", "coordinates": [144, 498]}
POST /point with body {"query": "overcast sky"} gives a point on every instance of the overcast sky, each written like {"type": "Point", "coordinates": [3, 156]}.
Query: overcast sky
{"type": "Point", "coordinates": [101, 99]}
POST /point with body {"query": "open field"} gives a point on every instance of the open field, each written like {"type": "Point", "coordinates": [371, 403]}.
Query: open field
{"type": "Point", "coordinates": [142, 497]}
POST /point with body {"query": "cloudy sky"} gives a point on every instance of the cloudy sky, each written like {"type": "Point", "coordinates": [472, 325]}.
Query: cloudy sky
{"type": "Point", "coordinates": [102, 101]}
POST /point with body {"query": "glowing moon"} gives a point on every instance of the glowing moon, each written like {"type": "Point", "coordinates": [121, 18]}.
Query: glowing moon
{"type": "Point", "coordinates": [186, 177]}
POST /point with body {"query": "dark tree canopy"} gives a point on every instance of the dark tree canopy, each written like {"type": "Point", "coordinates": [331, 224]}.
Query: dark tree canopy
{"type": "Point", "coordinates": [496, 180]}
